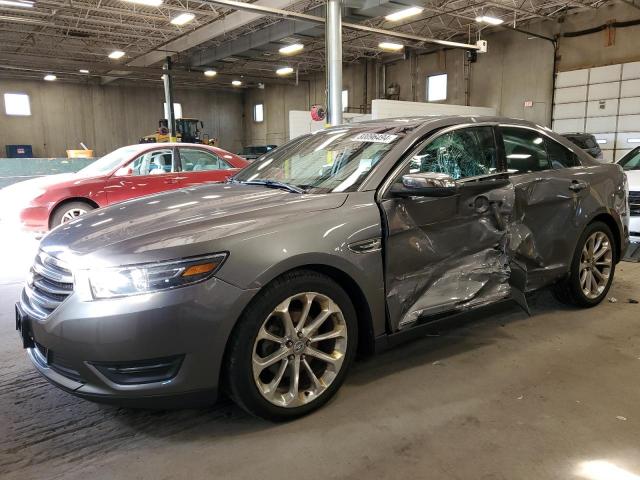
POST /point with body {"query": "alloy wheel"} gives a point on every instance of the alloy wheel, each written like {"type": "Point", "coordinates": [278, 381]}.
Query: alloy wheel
{"type": "Point", "coordinates": [72, 214]}
{"type": "Point", "coordinates": [299, 349]}
{"type": "Point", "coordinates": [595, 265]}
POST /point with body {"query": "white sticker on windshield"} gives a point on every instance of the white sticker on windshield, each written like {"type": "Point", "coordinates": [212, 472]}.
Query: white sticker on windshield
{"type": "Point", "coordinates": [374, 138]}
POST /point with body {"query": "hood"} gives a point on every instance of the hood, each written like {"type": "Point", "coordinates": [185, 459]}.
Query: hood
{"type": "Point", "coordinates": [633, 176]}
{"type": "Point", "coordinates": [180, 223]}
{"type": "Point", "coordinates": [32, 188]}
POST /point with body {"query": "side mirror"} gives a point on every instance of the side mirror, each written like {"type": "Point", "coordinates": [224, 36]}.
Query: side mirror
{"type": "Point", "coordinates": [428, 184]}
{"type": "Point", "coordinates": [123, 172]}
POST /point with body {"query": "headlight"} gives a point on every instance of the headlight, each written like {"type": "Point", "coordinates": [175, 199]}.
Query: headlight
{"type": "Point", "coordinates": [152, 277]}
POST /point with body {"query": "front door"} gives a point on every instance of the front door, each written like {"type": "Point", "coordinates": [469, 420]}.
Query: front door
{"type": "Point", "coordinates": [152, 172]}
{"type": "Point", "coordinates": [444, 254]}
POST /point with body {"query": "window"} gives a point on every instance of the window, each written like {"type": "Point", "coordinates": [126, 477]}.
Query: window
{"type": "Point", "coordinates": [154, 162]}
{"type": "Point", "coordinates": [525, 150]}
{"type": "Point", "coordinates": [327, 161]}
{"type": "Point", "coordinates": [258, 112]}
{"type": "Point", "coordinates": [196, 160]}
{"type": "Point", "coordinates": [559, 156]}
{"type": "Point", "coordinates": [631, 161]}
{"type": "Point", "coordinates": [466, 152]}
{"type": "Point", "coordinates": [177, 111]}
{"type": "Point", "coordinates": [345, 100]}
{"type": "Point", "coordinates": [437, 88]}
{"type": "Point", "coordinates": [17, 104]}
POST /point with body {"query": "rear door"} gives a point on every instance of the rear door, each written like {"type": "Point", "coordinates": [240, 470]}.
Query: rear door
{"type": "Point", "coordinates": [151, 172]}
{"type": "Point", "coordinates": [444, 254]}
{"type": "Point", "coordinates": [199, 165]}
{"type": "Point", "coordinates": [549, 186]}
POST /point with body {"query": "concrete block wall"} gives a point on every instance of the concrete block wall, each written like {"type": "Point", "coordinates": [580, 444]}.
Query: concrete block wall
{"type": "Point", "coordinates": [107, 117]}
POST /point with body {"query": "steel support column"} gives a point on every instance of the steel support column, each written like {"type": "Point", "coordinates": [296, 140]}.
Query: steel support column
{"type": "Point", "coordinates": [168, 98]}
{"type": "Point", "coordinates": [333, 39]}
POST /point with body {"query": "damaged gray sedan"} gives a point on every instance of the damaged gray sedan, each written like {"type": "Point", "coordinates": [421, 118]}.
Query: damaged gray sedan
{"type": "Point", "coordinates": [350, 239]}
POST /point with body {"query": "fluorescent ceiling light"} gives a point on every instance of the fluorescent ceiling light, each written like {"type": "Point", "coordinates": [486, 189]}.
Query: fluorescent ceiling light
{"type": "Point", "coordinates": [291, 49]}
{"type": "Point", "coordinates": [284, 71]}
{"type": "Point", "coordinates": [182, 19]}
{"type": "Point", "coordinates": [601, 141]}
{"type": "Point", "coordinates": [116, 54]}
{"type": "Point", "coordinates": [407, 12]}
{"type": "Point", "coordinates": [84, 71]}
{"type": "Point", "coordinates": [393, 47]}
{"type": "Point", "coordinates": [16, 3]}
{"type": "Point", "coordinates": [210, 73]}
{"type": "Point", "coordinates": [50, 78]}
{"type": "Point", "coordinates": [633, 140]}
{"type": "Point", "coordinates": [236, 83]}
{"type": "Point", "coordinates": [489, 20]}
{"type": "Point", "coordinates": [148, 3]}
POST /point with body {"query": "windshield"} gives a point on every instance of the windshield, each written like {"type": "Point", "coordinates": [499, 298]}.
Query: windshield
{"type": "Point", "coordinates": [336, 160]}
{"type": "Point", "coordinates": [109, 162]}
{"type": "Point", "coordinates": [631, 161]}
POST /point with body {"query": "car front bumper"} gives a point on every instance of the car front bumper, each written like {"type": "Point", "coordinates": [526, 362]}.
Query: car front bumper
{"type": "Point", "coordinates": [173, 342]}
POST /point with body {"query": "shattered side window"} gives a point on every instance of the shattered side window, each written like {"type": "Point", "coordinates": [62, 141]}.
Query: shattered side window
{"type": "Point", "coordinates": [466, 152]}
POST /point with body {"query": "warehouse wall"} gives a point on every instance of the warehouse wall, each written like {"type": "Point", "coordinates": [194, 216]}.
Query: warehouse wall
{"type": "Point", "coordinates": [517, 68]}
{"type": "Point", "coordinates": [107, 117]}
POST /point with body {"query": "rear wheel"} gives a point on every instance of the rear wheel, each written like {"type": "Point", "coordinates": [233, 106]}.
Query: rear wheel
{"type": "Point", "coordinates": [592, 268]}
{"type": "Point", "coordinates": [68, 212]}
{"type": "Point", "coordinates": [292, 347]}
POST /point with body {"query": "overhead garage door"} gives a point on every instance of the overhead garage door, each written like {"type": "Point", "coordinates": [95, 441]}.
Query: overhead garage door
{"type": "Point", "coordinates": [604, 101]}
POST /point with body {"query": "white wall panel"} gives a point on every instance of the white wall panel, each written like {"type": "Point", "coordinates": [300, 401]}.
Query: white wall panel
{"type": "Point", "coordinates": [610, 73]}
{"type": "Point", "coordinates": [571, 94]}
{"type": "Point", "coordinates": [571, 125]}
{"type": "Point", "coordinates": [569, 110]}
{"type": "Point", "coordinates": [630, 70]}
{"type": "Point", "coordinates": [601, 91]}
{"type": "Point", "coordinates": [602, 108]}
{"type": "Point", "coordinates": [630, 88]}
{"type": "Point", "coordinates": [627, 140]}
{"type": "Point", "coordinates": [396, 108]}
{"type": "Point", "coordinates": [605, 140]}
{"type": "Point", "coordinates": [572, 78]}
{"type": "Point", "coordinates": [629, 123]}
{"type": "Point", "coordinates": [619, 154]}
{"type": "Point", "coordinates": [629, 106]}
{"type": "Point", "coordinates": [608, 155]}
{"type": "Point", "coordinates": [601, 124]}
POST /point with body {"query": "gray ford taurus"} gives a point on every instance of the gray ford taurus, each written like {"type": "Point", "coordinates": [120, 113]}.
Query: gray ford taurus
{"type": "Point", "coordinates": [350, 239]}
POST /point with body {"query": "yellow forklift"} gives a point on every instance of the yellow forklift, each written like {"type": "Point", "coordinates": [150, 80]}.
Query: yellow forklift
{"type": "Point", "coordinates": [187, 131]}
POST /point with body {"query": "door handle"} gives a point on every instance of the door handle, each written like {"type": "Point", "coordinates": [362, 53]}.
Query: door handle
{"type": "Point", "coordinates": [578, 185]}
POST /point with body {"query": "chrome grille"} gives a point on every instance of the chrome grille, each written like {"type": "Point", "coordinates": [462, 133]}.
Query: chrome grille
{"type": "Point", "coordinates": [50, 282]}
{"type": "Point", "coordinates": [634, 203]}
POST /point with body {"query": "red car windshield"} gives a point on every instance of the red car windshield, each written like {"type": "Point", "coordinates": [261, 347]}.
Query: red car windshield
{"type": "Point", "coordinates": [109, 162]}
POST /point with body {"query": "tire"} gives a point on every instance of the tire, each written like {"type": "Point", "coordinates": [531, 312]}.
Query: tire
{"type": "Point", "coordinates": [570, 290]}
{"type": "Point", "coordinates": [65, 212]}
{"type": "Point", "coordinates": [250, 384]}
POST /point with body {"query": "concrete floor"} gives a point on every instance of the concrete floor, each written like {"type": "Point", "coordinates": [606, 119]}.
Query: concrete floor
{"type": "Point", "coordinates": [554, 395]}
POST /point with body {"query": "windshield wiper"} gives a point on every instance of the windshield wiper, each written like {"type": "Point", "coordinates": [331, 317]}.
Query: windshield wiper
{"type": "Point", "coordinates": [275, 184]}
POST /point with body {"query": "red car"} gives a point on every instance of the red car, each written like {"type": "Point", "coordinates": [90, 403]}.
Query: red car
{"type": "Point", "coordinates": [126, 173]}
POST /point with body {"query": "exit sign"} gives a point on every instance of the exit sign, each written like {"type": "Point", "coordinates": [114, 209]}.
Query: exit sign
{"type": "Point", "coordinates": [528, 103]}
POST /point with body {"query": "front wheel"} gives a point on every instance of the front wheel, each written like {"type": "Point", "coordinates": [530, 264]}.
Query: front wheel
{"type": "Point", "coordinates": [292, 347]}
{"type": "Point", "coordinates": [68, 212]}
{"type": "Point", "coordinates": [592, 268]}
